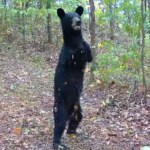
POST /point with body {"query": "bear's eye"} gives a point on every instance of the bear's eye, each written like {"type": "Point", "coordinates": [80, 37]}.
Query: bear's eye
{"type": "Point", "coordinates": [68, 19]}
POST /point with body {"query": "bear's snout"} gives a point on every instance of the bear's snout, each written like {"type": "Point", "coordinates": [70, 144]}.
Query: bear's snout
{"type": "Point", "coordinates": [76, 23]}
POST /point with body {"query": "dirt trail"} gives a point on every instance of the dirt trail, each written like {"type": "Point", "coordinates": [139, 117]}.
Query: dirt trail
{"type": "Point", "coordinates": [26, 100]}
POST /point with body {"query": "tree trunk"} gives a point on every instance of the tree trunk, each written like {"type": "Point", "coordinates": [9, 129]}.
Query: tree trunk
{"type": "Point", "coordinates": [40, 4]}
{"type": "Point", "coordinates": [5, 4]}
{"type": "Point", "coordinates": [149, 14]}
{"type": "Point", "coordinates": [112, 21]}
{"type": "Point", "coordinates": [142, 49]}
{"type": "Point", "coordinates": [92, 26]}
{"type": "Point", "coordinates": [23, 25]}
{"type": "Point", "coordinates": [49, 21]}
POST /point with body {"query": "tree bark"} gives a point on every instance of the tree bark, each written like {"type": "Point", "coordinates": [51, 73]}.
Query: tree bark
{"type": "Point", "coordinates": [112, 21]}
{"type": "Point", "coordinates": [5, 3]}
{"type": "Point", "coordinates": [142, 50]}
{"type": "Point", "coordinates": [92, 26]}
{"type": "Point", "coordinates": [49, 21]}
{"type": "Point", "coordinates": [149, 14]}
{"type": "Point", "coordinates": [23, 27]}
{"type": "Point", "coordinates": [40, 4]}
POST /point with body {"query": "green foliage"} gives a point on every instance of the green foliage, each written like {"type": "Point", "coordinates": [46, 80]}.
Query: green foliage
{"type": "Point", "coordinates": [121, 59]}
{"type": "Point", "coordinates": [117, 61]}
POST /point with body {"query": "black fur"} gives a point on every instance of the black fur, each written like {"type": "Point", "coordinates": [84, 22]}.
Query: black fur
{"type": "Point", "coordinates": [68, 81]}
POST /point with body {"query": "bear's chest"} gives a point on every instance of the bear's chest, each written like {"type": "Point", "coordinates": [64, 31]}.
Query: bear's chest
{"type": "Point", "coordinates": [77, 60]}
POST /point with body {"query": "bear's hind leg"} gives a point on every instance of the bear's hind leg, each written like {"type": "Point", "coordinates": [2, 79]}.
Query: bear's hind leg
{"type": "Point", "coordinates": [75, 119]}
{"type": "Point", "coordinates": [60, 119]}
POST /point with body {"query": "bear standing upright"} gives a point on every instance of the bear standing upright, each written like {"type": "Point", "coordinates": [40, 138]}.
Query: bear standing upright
{"type": "Point", "coordinates": [68, 81]}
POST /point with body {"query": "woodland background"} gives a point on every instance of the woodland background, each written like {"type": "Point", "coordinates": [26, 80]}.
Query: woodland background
{"type": "Point", "coordinates": [116, 96]}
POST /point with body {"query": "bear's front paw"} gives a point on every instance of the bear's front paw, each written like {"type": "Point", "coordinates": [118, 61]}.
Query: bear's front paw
{"type": "Point", "coordinates": [60, 147]}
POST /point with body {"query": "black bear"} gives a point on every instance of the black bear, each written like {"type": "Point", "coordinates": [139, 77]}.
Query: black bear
{"type": "Point", "coordinates": [68, 80]}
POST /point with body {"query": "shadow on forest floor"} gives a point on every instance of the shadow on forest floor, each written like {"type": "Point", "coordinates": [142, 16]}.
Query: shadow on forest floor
{"type": "Point", "coordinates": [26, 101]}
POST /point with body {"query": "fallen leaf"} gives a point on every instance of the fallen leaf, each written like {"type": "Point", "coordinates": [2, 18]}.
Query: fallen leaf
{"type": "Point", "coordinates": [72, 136]}
{"type": "Point", "coordinates": [17, 131]}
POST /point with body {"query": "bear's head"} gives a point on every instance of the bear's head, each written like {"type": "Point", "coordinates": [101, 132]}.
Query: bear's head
{"type": "Point", "coordinates": [70, 21]}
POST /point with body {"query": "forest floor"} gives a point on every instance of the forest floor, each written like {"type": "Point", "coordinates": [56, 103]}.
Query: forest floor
{"type": "Point", "coordinates": [113, 119]}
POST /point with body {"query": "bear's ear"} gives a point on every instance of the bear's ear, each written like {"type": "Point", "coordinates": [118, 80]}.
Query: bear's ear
{"type": "Point", "coordinates": [79, 10]}
{"type": "Point", "coordinates": [60, 13]}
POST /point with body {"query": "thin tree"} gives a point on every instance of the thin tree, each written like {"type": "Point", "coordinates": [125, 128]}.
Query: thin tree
{"type": "Point", "coordinates": [5, 4]}
{"type": "Point", "coordinates": [149, 14]}
{"type": "Point", "coordinates": [92, 26]}
{"type": "Point", "coordinates": [142, 49]}
{"type": "Point", "coordinates": [112, 20]}
{"type": "Point", "coordinates": [23, 26]}
{"type": "Point", "coordinates": [49, 20]}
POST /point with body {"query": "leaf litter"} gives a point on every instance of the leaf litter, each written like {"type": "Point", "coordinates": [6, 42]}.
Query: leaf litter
{"type": "Point", "coordinates": [26, 101]}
